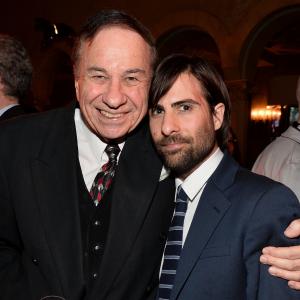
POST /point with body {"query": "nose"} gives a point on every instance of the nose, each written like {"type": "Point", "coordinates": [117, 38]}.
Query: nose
{"type": "Point", "coordinates": [169, 124]}
{"type": "Point", "coordinates": [114, 96]}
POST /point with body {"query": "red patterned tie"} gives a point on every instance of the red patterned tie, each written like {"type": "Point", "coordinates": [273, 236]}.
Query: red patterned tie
{"type": "Point", "coordinates": [104, 178]}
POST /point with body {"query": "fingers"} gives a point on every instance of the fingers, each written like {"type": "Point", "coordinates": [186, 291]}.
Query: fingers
{"type": "Point", "coordinates": [290, 253]}
{"type": "Point", "coordinates": [281, 263]}
{"type": "Point", "coordinates": [294, 285]}
{"type": "Point", "coordinates": [293, 230]}
{"type": "Point", "coordinates": [294, 277]}
{"type": "Point", "coordinates": [284, 263]}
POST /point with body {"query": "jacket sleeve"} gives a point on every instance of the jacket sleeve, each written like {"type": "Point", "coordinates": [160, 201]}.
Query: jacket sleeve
{"type": "Point", "coordinates": [13, 279]}
{"type": "Point", "coordinates": [276, 208]}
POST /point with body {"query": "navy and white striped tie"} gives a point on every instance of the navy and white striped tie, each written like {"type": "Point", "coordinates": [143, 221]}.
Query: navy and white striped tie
{"type": "Point", "coordinates": [173, 247]}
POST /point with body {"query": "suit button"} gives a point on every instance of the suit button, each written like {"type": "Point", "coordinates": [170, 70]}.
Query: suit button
{"type": "Point", "coordinates": [97, 247]}
{"type": "Point", "coordinates": [148, 289]}
{"type": "Point", "coordinates": [35, 261]}
{"type": "Point", "coordinates": [97, 223]}
{"type": "Point", "coordinates": [162, 236]}
{"type": "Point", "coordinates": [95, 275]}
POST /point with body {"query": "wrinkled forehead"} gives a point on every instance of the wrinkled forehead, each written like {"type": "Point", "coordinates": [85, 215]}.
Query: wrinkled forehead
{"type": "Point", "coordinates": [119, 37]}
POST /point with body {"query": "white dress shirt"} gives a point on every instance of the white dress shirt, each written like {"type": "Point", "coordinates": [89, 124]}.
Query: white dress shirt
{"type": "Point", "coordinates": [90, 150]}
{"type": "Point", "coordinates": [194, 185]}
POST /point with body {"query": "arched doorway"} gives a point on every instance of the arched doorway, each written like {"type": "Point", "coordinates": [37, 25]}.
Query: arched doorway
{"type": "Point", "coordinates": [270, 62]}
{"type": "Point", "coordinates": [189, 40]}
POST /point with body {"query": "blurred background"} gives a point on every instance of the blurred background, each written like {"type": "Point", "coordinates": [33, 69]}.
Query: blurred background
{"type": "Point", "coordinates": [255, 44]}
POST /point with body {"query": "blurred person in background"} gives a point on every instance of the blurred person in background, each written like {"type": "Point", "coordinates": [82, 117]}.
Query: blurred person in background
{"type": "Point", "coordinates": [15, 77]}
{"type": "Point", "coordinates": [280, 160]}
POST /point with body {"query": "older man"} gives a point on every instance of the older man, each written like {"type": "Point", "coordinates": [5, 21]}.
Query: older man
{"type": "Point", "coordinates": [84, 205]}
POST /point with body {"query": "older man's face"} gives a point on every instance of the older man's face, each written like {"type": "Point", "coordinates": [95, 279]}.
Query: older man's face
{"type": "Point", "coordinates": [112, 81]}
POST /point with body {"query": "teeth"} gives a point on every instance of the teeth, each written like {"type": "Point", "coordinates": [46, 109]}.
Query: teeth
{"type": "Point", "coordinates": [109, 115]}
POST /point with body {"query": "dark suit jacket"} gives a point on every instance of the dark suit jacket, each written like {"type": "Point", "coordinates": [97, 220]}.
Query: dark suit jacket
{"type": "Point", "coordinates": [40, 238]}
{"type": "Point", "coordinates": [238, 214]}
{"type": "Point", "coordinates": [13, 112]}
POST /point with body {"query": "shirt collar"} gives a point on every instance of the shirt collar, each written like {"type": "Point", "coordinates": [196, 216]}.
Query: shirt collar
{"type": "Point", "coordinates": [194, 183]}
{"type": "Point", "coordinates": [164, 173]}
{"type": "Point", "coordinates": [292, 133]}
{"type": "Point", "coordinates": [4, 109]}
{"type": "Point", "coordinates": [90, 138]}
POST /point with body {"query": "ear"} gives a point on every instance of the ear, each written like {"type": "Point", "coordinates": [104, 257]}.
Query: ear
{"type": "Point", "coordinates": [218, 115]}
{"type": "Point", "coordinates": [76, 79]}
{"type": "Point", "coordinates": [77, 88]}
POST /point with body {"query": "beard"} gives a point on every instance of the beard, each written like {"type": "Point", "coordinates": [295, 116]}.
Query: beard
{"type": "Point", "coordinates": [196, 150]}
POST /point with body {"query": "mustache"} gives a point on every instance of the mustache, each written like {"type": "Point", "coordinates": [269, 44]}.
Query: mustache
{"type": "Point", "coordinates": [173, 139]}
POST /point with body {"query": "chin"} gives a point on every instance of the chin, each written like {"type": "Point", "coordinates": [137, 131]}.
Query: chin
{"type": "Point", "coordinates": [114, 135]}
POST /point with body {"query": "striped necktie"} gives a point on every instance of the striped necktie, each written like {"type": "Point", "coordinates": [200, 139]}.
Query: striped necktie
{"type": "Point", "coordinates": [104, 178]}
{"type": "Point", "coordinates": [173, 247]}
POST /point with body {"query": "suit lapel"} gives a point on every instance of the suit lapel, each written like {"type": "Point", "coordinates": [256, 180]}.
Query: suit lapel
{"type": "Point", "coordinates": [140, 168]}
{"type": "Point", "coordinates": [212, 206]}
{"type": "Point", "coordinates": [54, 173]}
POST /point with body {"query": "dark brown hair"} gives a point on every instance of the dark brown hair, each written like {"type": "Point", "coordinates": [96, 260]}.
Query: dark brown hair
{"type": "Point", "coordinates": [108, 18]}
{"type": "Point", "coordinates": [212, 84]}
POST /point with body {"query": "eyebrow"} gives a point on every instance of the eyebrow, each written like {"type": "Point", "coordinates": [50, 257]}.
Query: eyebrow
{"type": "Point", "coordinates": [134, 71]}
{"type": "Point", "coordinates": [184, 101]}
{"type": "Point", "coordinates": [127, 72]}
{"type": "Point", "coordinates": [97, 69]}
{"type": "Point", "coordinates": [177, 103]}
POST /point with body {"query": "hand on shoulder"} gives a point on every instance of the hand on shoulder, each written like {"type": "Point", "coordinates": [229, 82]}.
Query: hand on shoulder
{"type": "Point", "coordinates": [285, 261]}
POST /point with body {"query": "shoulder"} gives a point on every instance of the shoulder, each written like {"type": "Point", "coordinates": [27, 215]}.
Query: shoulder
{"type": "Point", "coordinates": [277, 155]}
{"type": "Point", "coordinates": [265, 197]}
{"type": "Point", "coordinates": [33, 122]}
{"type": "Point", "coordinates": [280, 143]}
{"type": "Point", "coordinates": [240, 184]}
{"type": "Point", "coordinates": [28, 132]}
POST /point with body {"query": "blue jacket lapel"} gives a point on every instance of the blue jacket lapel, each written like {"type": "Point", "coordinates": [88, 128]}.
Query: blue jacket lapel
{"type": "Point", "coordinates": [212, 206]}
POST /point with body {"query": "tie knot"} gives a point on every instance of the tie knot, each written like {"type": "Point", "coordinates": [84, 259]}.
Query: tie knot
{"type": "Point", "coordinates": [112, 151]}
{"type": "Point", "coordinates": [181, 195]}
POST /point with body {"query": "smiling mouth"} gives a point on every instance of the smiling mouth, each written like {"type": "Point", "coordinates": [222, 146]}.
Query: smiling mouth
{"type": "Point", "coordinates": [111, 115]}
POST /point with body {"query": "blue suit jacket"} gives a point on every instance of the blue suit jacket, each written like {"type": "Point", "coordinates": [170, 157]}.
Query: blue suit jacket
{"type": "Point", "coordinates": [238, 214]}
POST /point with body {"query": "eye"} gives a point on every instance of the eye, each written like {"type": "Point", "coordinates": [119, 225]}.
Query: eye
{"type": "Point", "coordinates": [185, 107]}
{"type": "Point", "coordinates": [131, 80]}
{"type": "Point", "coordinates": [98, 77]}
{"type": "Point", "coordinates": [157, 111]}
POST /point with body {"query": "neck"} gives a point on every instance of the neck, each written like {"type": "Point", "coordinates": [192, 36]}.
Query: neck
{"type": "Point", "coordinates": [188, 173]}
{"type": "Point", "coordinates": [6, 100]}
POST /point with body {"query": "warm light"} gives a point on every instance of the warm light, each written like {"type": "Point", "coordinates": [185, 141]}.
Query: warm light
{"type": "Point", "coordinates": [269, 113]}
{"type": "Point", "coordinates": [55, 29]}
